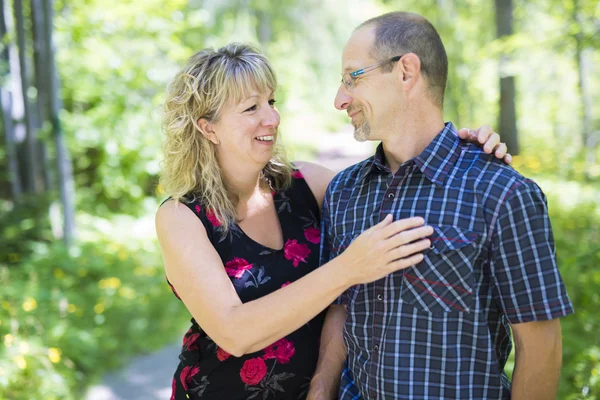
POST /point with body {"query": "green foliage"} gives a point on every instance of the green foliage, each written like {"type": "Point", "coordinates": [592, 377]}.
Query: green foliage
{"type": "Point", "coordinates": [68, 317]}
{"type": "Point", "coordinates": [21, 225]}
{"type": "Point", "coordinates": [577, 234]}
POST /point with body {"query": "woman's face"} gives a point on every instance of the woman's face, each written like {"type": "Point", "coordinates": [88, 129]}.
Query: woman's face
{"type": "Point", "coordinates": [247, 131]}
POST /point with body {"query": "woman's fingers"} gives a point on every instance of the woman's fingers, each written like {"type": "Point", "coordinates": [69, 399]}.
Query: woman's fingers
{"type": "Point", "coordinates": [409, 236]}
{"type": "Point", "coordinates": [501, 150]}
{"type": "Point", "coordinates": [406, 262]}
{"type": "Point", "coordinates": [491, 143]}
{"type": "Point", "coordinates": [401, 225]}
{"type": "Point", "coordinates": [384, 222]}
{"type": "Point", "coordinates": [485, 133]}
{"type": "Point", "coordinates": [408, 249]}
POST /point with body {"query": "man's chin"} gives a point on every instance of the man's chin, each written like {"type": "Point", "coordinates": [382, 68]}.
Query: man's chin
{"type": "Point", "coordinates": [361, 134]}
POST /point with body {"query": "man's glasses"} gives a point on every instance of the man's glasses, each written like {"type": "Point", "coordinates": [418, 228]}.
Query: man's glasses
{"type": "Point", "coordinates": [349, 77]}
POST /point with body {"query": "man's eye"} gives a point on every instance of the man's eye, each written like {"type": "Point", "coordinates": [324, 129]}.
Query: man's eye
{"type": "Point", "coordinates": [251, 108]}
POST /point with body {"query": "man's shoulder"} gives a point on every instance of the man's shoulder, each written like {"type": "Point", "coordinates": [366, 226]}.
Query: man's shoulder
{"type": "Point", "coordinates": [351, 175]}
{"type": "Point", "coordinates": [477, 162]}
{"type": "Point", "coordinates": [492, 177]}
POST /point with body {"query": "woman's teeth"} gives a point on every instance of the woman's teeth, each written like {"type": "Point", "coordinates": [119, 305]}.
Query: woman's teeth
{"type": "Point", "coordinates": [266, 138]}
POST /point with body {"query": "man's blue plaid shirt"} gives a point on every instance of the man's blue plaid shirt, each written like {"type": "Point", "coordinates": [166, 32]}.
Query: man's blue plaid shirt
{"type": "Point", "coordinates": [441, 329]}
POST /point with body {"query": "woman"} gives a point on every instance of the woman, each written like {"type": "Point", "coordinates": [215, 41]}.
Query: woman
{"type": "Point", "coordinates": [242, 253]}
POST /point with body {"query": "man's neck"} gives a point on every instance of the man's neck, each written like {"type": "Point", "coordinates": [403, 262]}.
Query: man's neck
{"type": "Point", "coordinates": [411, 138]}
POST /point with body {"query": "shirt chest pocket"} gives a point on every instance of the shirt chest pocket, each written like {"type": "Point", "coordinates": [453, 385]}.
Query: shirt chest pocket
{"type": "Point", "coordinates": [443, 281]}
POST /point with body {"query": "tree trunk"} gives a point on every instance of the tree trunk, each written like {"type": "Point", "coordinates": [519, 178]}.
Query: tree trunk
{"type": "Point", "coordinates": [587, 139]}
{"type": "Point", "coordinates": [40, 60]}
{"type": "Point", "coordinates": [264, 31]}
{"type": "Point", "coordinates": [63, 159]}
{"type": "Point", "coordinates": [6, 101]}
{"type": "Point", "coordinates": [32, 182]}
{"type": "Point", "coordinates": [508, 114]}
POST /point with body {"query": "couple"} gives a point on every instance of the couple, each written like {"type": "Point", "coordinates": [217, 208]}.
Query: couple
{"type": "Point", "coordinates": [401, 277]}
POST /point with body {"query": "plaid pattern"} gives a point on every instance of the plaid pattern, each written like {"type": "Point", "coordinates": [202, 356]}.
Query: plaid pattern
{"type": "Point", "coordinates": [440, 329]}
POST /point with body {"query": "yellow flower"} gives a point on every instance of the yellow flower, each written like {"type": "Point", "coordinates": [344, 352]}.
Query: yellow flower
{"type": "Point", "coordinates": [8, 340]}
{"type": "Point", "coordinates": [54, 355]}
{"type": "Point", "coordinates": [71, 308]}
{"type": "Point", "coordinates": [99, 308]}
{"type": "Point", "coordinates": [29, 304]}
{"type": "Point", "coordinates": [24, 348]}
{"type": "Point", "coordinates": [20, 361]}
{"type": "Point", "coordinates": [114, 247]}
{"type": "Point", "coordinates": [122, 255]}
{"type": "Point", "coordinates": [109, 283]}
{"type": "Point", "coordinates": [58, 273]}
{"type": "Point", "coordinates": [127, 293]}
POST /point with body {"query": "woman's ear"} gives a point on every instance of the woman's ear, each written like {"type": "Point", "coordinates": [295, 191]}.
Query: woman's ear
{"type": "Point", "coordinates": [206, 129]}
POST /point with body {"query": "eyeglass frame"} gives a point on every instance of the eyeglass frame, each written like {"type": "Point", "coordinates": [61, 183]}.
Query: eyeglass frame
{"type": "Point", "coordinates": [361, 71]}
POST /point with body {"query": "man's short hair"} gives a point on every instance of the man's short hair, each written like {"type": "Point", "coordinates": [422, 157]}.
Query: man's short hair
{"type": "Point", "coordinates": [399, 33]}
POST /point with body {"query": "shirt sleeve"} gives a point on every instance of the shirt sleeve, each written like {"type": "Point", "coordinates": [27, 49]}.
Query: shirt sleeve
{"type": "Point", "coordinates": [525, 276]}
{"type": "Point", "coordinates": [326, 253]}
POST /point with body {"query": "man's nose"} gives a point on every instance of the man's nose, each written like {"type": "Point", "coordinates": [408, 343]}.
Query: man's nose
{"type": "Point", "coordinates": [342, 98]}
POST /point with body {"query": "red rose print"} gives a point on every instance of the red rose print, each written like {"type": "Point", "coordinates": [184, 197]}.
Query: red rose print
{"type": "Point", "coordinates": [191, 341]}
{"type": "Point", "coordinates": [313, 235]}
{"type": "Point", "coordinates": [222, 355]}
{"type": "Point", "coordinates": [212, 217]}
{"type": "Point", "coordinates": [297, 175]}
{"type": "Point", "coordinates": [285, 284]}
{"type": "Point", "coordinates": [198, 209]}
{"type": "Point", "coordinates": [187, 374]}
{"type": "Point", "coordinates": [282, 350]}
{"type": "Point", "coordinates": [173, 387]}
{"type": "Point", "coordinates": [297, 252]}
{"type": "Point", "coordinates": [237, 267]}
{"type": "Point", "coordinates": [253, 371]}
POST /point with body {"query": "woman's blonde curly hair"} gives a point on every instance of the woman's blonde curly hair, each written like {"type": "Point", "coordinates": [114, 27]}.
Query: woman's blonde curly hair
{"type": "Point", "coordinates": [190, 169]}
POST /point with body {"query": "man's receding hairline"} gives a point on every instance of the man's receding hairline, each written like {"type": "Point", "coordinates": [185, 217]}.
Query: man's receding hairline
{"type": "Point", "coordinates": [376, 22]}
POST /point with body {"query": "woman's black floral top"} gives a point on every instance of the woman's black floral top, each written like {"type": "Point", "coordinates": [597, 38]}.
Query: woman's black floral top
{"type": "Point", "coordinates": [282, 370]}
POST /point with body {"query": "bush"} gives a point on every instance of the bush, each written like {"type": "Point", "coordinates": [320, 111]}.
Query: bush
{"type": "Point", "coordinates": [577, 236]}
{"type": "Point", "coordinates": [67, 317]}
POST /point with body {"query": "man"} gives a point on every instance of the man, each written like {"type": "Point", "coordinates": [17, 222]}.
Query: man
{"type": "Point", "coordinates": [441, 329]}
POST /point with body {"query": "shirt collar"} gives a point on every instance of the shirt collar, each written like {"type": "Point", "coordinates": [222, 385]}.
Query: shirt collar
{"type": "Point", "coordinates": [435, 162]}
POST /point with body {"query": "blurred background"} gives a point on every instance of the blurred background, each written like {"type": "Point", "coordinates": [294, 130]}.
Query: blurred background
{"type": "Point", "coordinates": [83, 291]}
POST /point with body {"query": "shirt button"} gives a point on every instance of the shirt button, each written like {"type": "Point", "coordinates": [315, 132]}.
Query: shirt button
{"type": "Point", "coordinates": [376, 348]}
{"type": "Point", "coordinates": [390, 195]}
{"type": "Point", "coordinates": [379, 297]}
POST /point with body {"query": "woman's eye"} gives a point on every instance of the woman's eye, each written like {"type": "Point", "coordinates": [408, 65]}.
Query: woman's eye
{"type": "Point", "coordinates": [251, 108]}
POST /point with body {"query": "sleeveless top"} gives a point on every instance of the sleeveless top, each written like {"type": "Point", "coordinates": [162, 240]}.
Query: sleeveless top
{"type": "Point", "coordinates": [284, 369]}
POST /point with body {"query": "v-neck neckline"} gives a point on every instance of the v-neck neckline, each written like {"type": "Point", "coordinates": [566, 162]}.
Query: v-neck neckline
{"type": "Point", "coordinates": [275, 196]}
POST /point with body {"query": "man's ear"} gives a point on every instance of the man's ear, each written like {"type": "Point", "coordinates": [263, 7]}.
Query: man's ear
{"type": "Point", "coordinates": [409, 68]}
{"type": "Point", "coordinates": [206, 129]}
